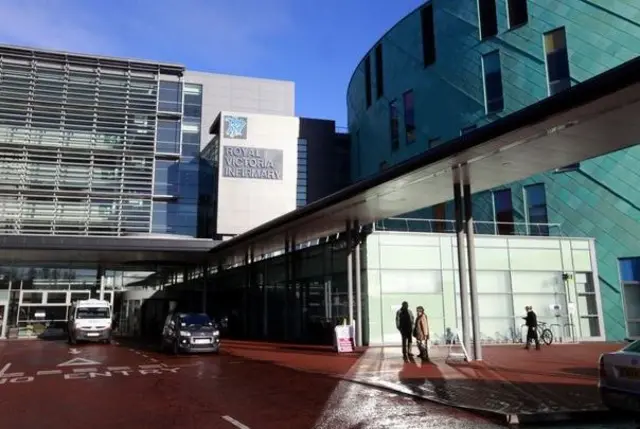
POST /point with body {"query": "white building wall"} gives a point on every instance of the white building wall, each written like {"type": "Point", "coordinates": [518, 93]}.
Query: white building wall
{"type": "Point", "coordinates": [512, 272]}
{"type": "Point", "coordinates": [245, 202]}
{"type": "Point", "coordinates": [239, 93]}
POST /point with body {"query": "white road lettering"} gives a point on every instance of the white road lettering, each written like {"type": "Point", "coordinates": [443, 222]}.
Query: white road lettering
{"type": "Point", "coordinates": [99, 374]}
{"type": "Point", "coordinates": [49, 372]}
{"type": "Point", "coordinates": [73, 376]}
{"type": "Point", "coordinates": [87, 373]}
{"type": "Point", "coordinates": [235, 422]}
{"type": "Point", "coordinates": [21, 380]}
{"type": "Point", "coordinates": [4, 374]}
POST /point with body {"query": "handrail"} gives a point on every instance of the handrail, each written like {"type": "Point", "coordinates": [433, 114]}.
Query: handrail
{"type": "Point", "coordinates": [480, 227]}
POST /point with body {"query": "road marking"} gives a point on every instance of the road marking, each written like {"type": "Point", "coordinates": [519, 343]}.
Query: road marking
{"type": "Point", "coordinates": [154, 360]}
{"type": "Point", "coordinates": [4, 374]}
{"type": "Point", "coordinates": [152, 366]}
{"type": "Point", "coordinates": [79, 362]}
{"type": "Point", "coordinates": [118, 368]}
{"type": "Point", "coordinates": [235, 422]}
{"type": "Point", "coordinates": [74, 351]}
{"type": "Point", "coordinates": [49, 372]}
{"type": "Point", "coordinates": [84, 370]}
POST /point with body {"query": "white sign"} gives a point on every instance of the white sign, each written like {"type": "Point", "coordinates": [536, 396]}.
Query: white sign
{"type": "Point", "coordinates": [344, 338]}
{"type": "Point", "coordinates": [79, 362]}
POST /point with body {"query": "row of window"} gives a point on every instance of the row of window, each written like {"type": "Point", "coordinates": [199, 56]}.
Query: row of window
{"type": "Point", "coordinates": [558, 78]}
{"type": "Point", "coordinates": [557, 68]}
{"type": "Point", "coordinates": [301, 188]}
{"type": "Point", "coordinates": [537, 222]}
{"type": "Point", "coordinates": [517, 15]}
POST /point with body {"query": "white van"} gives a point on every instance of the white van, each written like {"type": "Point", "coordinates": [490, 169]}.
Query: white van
{"type": "Point", "coordinates": [90, 320]}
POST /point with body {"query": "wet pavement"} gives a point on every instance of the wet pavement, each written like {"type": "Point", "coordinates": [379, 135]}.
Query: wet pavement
{"type": "Point", "coordinates": [249, 386]}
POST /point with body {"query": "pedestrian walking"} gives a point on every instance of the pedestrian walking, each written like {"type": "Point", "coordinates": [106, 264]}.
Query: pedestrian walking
{"type": "Point", "coordinates": [421, 333]}
{"type": "Point", "coordinates": [404, 323]}
{"type": "Point", "coordinates": [531, 321]}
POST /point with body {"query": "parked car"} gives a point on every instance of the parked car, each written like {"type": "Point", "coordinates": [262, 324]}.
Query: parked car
{"type": "Point", "coordinates": [619, 379]}
{"type": "Point", "coordinates": [190, 333]}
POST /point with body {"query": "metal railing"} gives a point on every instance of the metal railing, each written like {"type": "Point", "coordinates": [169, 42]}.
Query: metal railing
{"type": "Point", "coordinates": [446, 226]}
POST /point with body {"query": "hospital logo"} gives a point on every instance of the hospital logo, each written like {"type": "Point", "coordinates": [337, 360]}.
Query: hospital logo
{"type": "Point", "coordinates": [235, 127]}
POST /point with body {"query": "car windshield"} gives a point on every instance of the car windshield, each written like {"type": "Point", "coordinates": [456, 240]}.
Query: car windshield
{"type": "Point", "coordinates": [634, 347]}
{"type": "Point", "coordinates": [92, 313]}
{"type": "Point", "coordinates": [195, 320]}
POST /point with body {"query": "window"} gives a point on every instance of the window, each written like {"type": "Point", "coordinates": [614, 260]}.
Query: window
{"type": "Point", "coordinates": [367, 81]}
{"type": "Point", "coordinates": [428, 35]}
{"type": "Point", "coordinates": [488, 19]}
{"type": "Point", "coordinates": [168, 136]}
{"type": "Point", "coordinates": [379, 72]}
{"type": "Point", "coordinates": [170, 97]}
{"type": "Point", "coordinates": [557, 60]}
{"type": "Point", "coordinates": [393, 119]}
{"type": "Point", "coordinates": [630, 270]}
{"type": "Point", "coordinates": [536, 200]}
{"type": "Point", "coordinates": [439, 215]}
{"type": "Point", "coordinates": [192, 100]}
{"type": "Point", "coordinates": [409, 117]}
{"type": "Point", "coordinates": [494, 101]}
{"type": "Point", "coordinates": [503, 208]}
{"type": "Point", "coordinates": [517, 13]}
{"type": "Point", "coordinates": [630, 277]}
{"type": "Point", "coordinates": [301, 189]}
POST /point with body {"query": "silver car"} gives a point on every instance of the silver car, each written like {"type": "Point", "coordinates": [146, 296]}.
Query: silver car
{"type": "Point", "coordinates": [619, 378]}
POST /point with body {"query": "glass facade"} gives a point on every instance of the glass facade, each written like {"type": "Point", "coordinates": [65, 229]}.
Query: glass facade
{"type": "Point", "coordinates": [76, 144]}
{"type": "Point", "coordinates": [542, 51]}
{"type": "Point", "coordinates": [263, 302]}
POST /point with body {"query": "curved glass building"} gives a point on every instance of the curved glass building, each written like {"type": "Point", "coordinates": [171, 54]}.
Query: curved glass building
{"type": "Point", "coordinates": [452, 66]}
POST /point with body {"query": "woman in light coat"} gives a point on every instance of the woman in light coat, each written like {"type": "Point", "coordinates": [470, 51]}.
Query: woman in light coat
{"type": "Point", "coordinates": [421, 332]}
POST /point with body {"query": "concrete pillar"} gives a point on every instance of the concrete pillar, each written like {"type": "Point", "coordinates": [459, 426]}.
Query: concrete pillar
{"type": "Point", "coordinates": [462, 260]}
{"type": "Point", "coordinates": [287, 283]}
{"type": "Point", "coordinates": [358, 280]}
{"type": "Point", "coordinates": [471, 254]}
{"type": "Point", "coordinates": [349, 249]}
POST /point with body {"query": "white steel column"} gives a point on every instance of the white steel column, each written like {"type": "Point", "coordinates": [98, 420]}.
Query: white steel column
{"type": "Point", "coordinates": [358, 279]}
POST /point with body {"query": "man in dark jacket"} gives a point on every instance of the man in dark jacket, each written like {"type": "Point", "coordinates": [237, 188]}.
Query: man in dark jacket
{"type": "Point", "coordinates": [404, 323]}
{"type": "Point", "coordinates": [532, 327]}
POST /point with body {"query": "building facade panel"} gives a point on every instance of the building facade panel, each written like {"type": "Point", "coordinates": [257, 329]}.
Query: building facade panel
{"type": "Point", "coordinates": [475, 79]}
{"type": "Point", "coordinates": [257, 170]}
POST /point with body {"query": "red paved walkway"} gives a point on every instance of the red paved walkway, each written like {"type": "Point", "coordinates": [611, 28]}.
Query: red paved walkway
{"type": "Point", "coordinates": [510, 380]}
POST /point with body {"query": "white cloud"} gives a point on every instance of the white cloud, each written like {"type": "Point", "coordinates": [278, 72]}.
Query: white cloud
{"type": "Point", "coordinates": [235, 34]}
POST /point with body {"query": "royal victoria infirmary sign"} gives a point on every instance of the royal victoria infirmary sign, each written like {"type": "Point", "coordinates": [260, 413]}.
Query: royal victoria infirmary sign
{"type": "Point", "coordinates": [252, 163]}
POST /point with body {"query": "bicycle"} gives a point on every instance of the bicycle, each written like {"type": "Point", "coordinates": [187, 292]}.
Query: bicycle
{"type": "Point", "coordinates": [544, 333]}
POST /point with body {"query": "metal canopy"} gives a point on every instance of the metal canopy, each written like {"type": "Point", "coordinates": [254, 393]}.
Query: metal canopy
{"type": "Point", "coordinates": [593, 118]}
{"type": "Point", "coordinates": [138, 251]}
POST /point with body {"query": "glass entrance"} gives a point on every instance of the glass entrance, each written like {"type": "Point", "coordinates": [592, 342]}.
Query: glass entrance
{"type": "Point", "coordinates": [630, 277]}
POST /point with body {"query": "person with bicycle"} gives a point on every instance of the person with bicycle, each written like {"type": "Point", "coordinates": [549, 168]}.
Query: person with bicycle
{"type": "Point", "coordinates": [531, 321]}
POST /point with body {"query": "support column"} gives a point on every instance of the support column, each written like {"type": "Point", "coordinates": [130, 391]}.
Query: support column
{"type": "Point", "coordinates": [471, 253]}
{"type": "Point", "coordinates": [349, 249]}
{"type": "Point", "coordinates": [287, 281]}
{"type": "Point", "coordinates": [462, 260]}
{"type": "Point", "coordinates": [358, 278]}
{"type": "Point", "coordinates": [245, 294]}
{"type": "Point", "coordinates": [205, 285]}
{"type": "Point", "coordinates": [100, 278]}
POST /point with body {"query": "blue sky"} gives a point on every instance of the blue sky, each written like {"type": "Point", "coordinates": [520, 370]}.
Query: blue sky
{"type": "Point", "coordinates": [316, 44]}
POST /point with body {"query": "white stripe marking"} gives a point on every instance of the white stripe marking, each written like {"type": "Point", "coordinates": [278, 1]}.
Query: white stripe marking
{"type": "Point", "coordinates": [49, 372]}
{"type": "Point", "coordinates": [84, 370]}
{"type": "Point", "coordinates": [118, 368]}
{"type": "Point", "coordinates": [153, 366]}
{"type": "Point", "coordinates": [13, 374]}
{"type": "Point", "coordinates": [235, 422]}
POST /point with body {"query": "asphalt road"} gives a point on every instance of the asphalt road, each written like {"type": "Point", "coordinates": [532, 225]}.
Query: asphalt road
{"type": "Point", "coordinates": [52, 385]}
